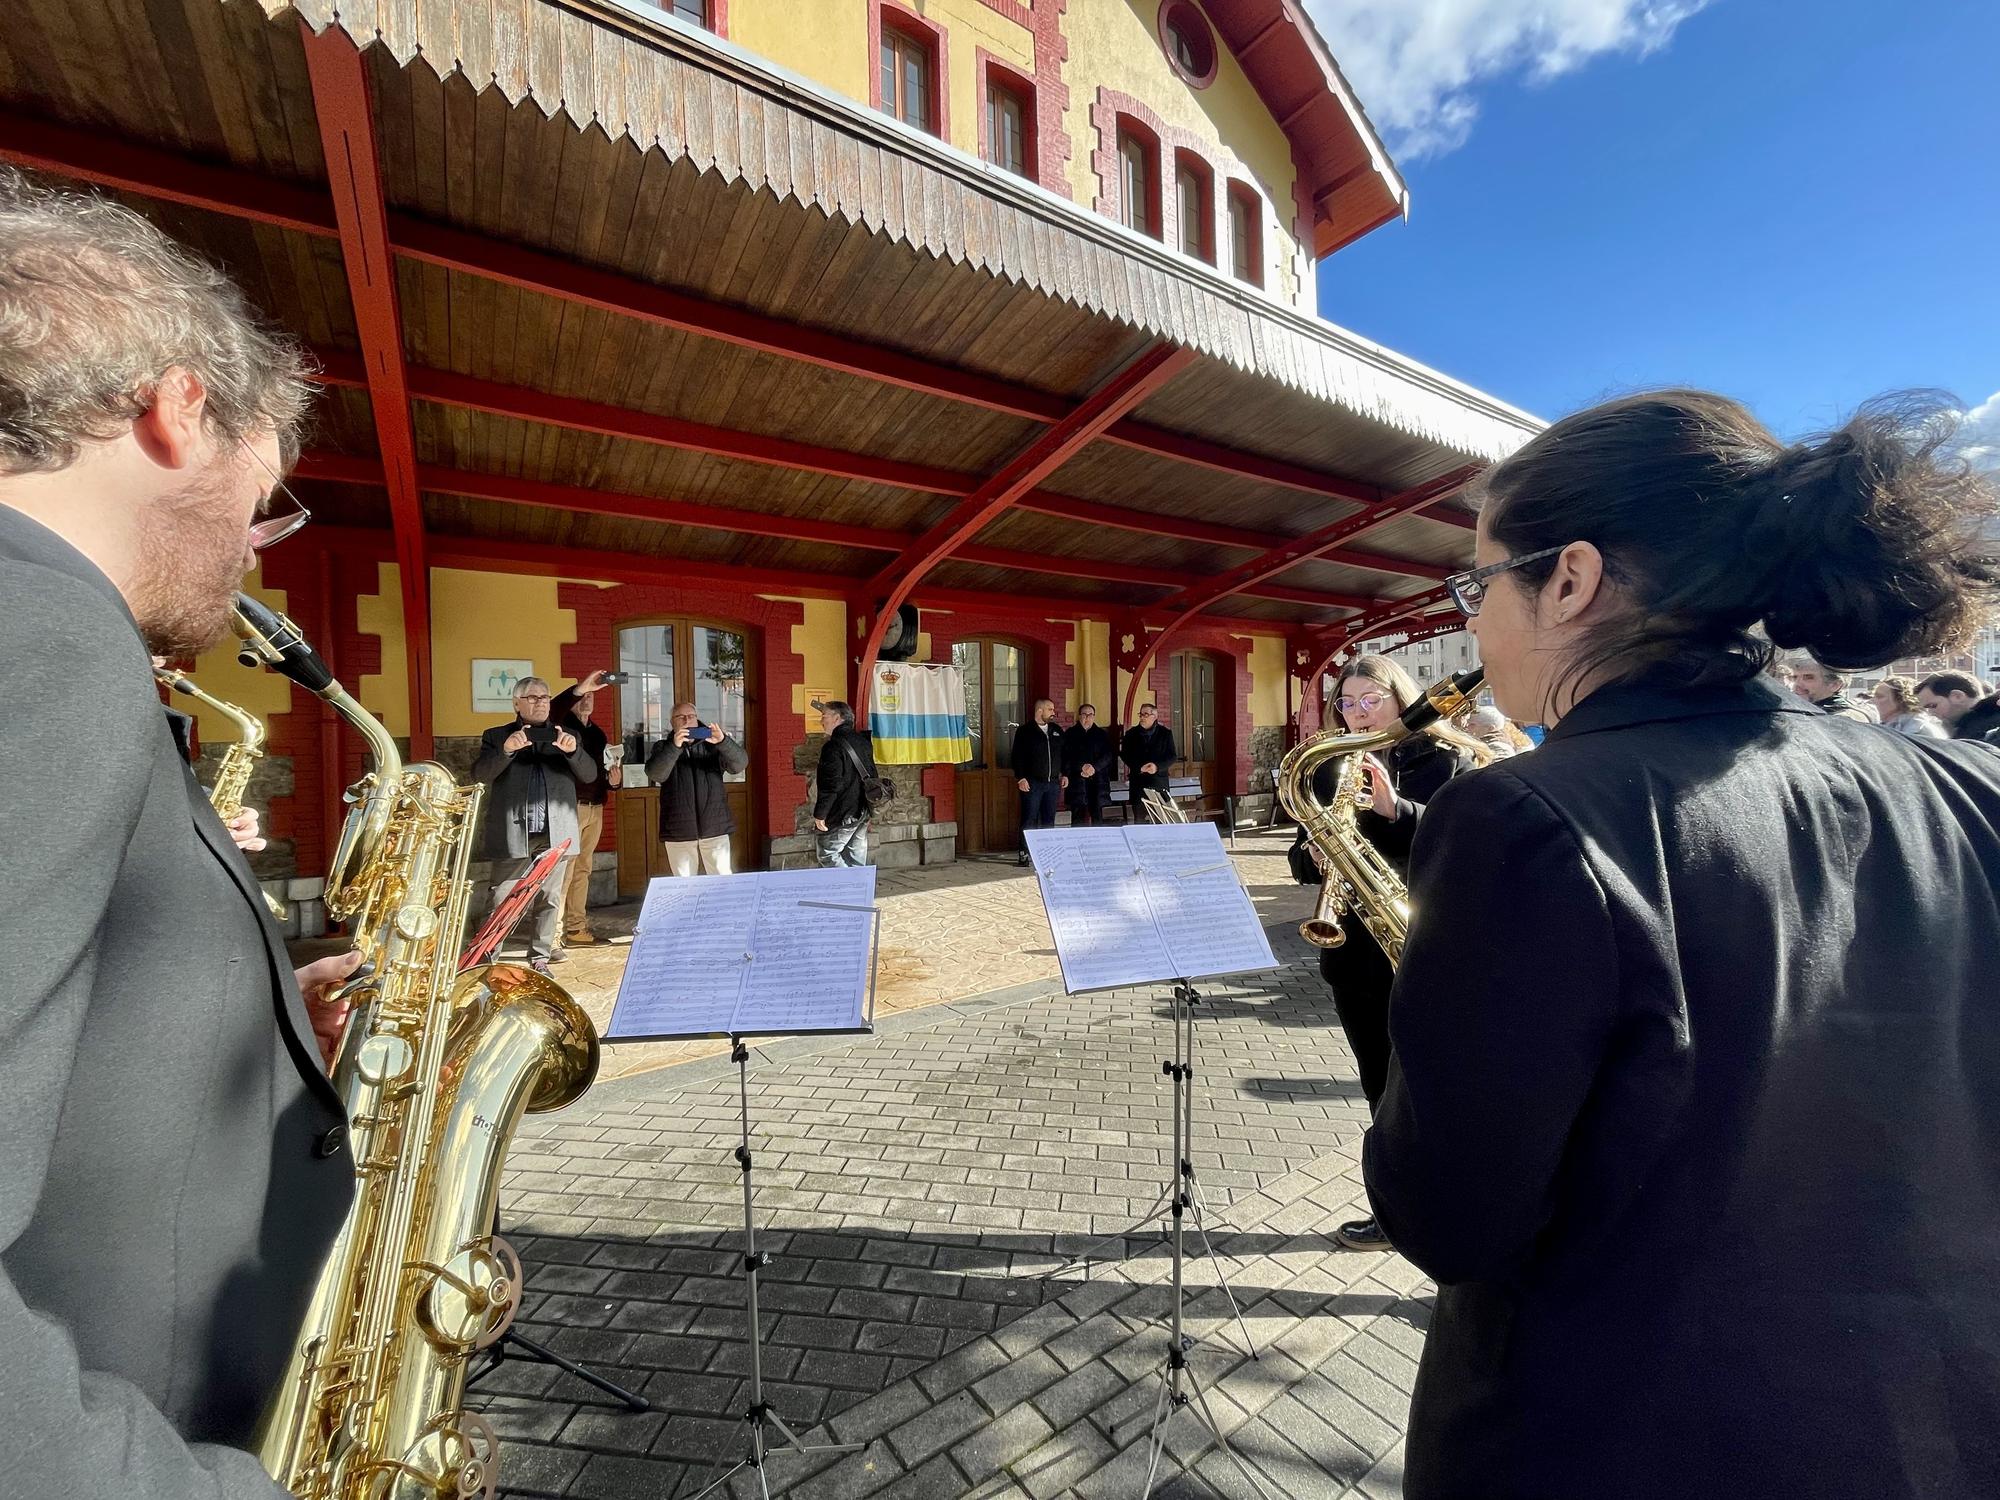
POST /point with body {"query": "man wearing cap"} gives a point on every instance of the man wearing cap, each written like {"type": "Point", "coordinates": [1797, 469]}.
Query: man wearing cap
{"type": "Point", "coordinates": [840, 808]}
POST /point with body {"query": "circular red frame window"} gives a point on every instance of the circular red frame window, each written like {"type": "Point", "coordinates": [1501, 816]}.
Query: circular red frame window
{"type": "Point", "coordinates": [1188, 41]}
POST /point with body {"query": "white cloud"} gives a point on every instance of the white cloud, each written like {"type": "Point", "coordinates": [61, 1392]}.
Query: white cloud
{"type": "Point", "coordinates": [1979, 434]}
{"type": "Point", "coordinates": [1418, 64]}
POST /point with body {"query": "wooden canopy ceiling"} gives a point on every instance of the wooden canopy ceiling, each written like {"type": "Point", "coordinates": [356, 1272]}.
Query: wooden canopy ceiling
{"type": "Point", "coordinates": [587, 287]}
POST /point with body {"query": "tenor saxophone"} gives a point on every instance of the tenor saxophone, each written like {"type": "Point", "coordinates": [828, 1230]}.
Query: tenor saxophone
{"type": "Point", "coordinates": [436, 1069]}
{"type": "Point", "coordinates": [238, 761]}
{"type": "Point", "coordinates": [1358, 879]}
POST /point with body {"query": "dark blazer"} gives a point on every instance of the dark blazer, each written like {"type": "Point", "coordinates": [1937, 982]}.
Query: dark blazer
{"type": "Point", "coordinates": [172, 1157]}
{"type": "Point", "coordinates": [591, 740]}
{"type": "Point", "coordinates": [694, 797]}
{"type": "Point", "coordinates": [1981, 721]}
{"type": "Point", "coordinates": [1037, 752]}
{"type": "Point", "coordinates": [1141, 746]}
{"type": "Point", "coordinates": [512, 779]}
{"type": "Point", "coordinates": [839, 799]}
{"type": "Point", "coordinates": [1695, 1107]}
{"type": "Point", "coordinates": [1088, 747]}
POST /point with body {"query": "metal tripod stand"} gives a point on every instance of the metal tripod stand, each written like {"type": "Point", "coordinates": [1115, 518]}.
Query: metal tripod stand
{"type": "Point", "coordinates": [758, 1415]}
{"type": "Point", "coordinates": [1181, 1191]}
{"type": "Point", "coordinates": [1179, 1386]}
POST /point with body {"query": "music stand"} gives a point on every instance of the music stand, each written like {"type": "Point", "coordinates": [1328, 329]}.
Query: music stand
{"type": "Point", "coordinates": [1142, 905]}
{"type": "Point", "coordinates": [767, 928]}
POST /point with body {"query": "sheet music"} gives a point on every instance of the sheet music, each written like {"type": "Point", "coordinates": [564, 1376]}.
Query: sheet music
{"type": "Point", "coordinates": [777, 952]}
{"type": "Point", "coordinates": [1145, 903]}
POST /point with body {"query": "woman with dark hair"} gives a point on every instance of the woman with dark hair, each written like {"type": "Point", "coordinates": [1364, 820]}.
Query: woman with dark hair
{"type": "Point", "coordinates": [1373, 691]}
{"type": "Point", "coordinates": [1710, 1188]}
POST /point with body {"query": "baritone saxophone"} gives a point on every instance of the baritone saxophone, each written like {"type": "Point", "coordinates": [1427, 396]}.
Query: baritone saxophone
{"type": "Point", "coordinates": [436, 1070]}
{"type": "Point", "coordinates": [1358, 879]}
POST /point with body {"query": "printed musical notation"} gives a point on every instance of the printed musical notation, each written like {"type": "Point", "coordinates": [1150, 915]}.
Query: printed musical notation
{"type": "Point", "coordinates": [780, 952]}
{"type": "Point", "coordinates": [1144, 904]}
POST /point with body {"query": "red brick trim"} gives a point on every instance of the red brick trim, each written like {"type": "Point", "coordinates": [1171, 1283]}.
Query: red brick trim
{"type": "Point", "coordinates": [1109, 108]}
{"type": "Point", "coordinates": [1053, 147]}
{"type": "Point", "coordinates": [1191, 17]}
{"type": "Point", "coordinates": [1237, 188]}
{"type": "Point", "coordinates": [883, 13]}
{"type": "Point", "coordinates": [991, 68]}
{"type": "Point", "coordinates": [1231, 654]}
{"type": "Point", "coordinates": [718, 17]}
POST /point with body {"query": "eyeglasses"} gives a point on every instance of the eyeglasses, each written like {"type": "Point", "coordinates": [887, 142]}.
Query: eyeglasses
{"type": "Point", "coordinates": [531, 697]}
{"type": "Point", "coordinates": [1367, 703]}
{"type": "Point", "coordinates": [1468, 590]}
{"type": "Point", "coordinates": [270, 530]}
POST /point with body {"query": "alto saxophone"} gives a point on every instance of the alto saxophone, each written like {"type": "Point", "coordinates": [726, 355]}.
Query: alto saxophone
{"type": "Point", "coordinates": [435, 1069]}
{"type": "Point", "coordinates": [238, 761]}
{"type": "Point", "coordinates": [1358, 879]}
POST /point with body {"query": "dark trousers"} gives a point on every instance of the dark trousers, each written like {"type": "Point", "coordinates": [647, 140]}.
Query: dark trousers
{"type": "Point", "coordinates": [1360, 977]}
{"type": "Point", "coordinates": [1086, 800]}
{"type": "Point", "coordinates": [1038, 807]}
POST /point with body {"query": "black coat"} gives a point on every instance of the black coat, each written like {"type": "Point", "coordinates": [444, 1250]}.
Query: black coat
{"type": "Point", "coordinates": [694, 794]}
{"type": "Point", "coordinates": [1088, 747]}
{"type": "Point", "coordinates": [839, 799]}
{"type": "Point", "coordinates": [172, 1161]}
{"type": "Point", "coordinates": [1142, 745]}
{"type": "Point", "coordinates": [1037, 752]}
{"type": "Point", "coordinates": [1695, 1106]}
{"type": "Point", "coordinates": [513, 782]}
{"type": "Point", "coordinates": [1981, 721]}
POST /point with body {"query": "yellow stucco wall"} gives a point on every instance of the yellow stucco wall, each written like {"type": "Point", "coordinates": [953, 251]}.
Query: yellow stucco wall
{"type": "Point", "coordinates": [827, 41]}
{"type": "Point", "coordinates": [386, 694]}
{"type": "Point", "coordinates": [820, 639]}
{"type": "Point", "coordinates": [1267, 680]}
{"type": "Point", "coordinates": [1114, 44]}
{"type": "Point", "coordinates": [1089, 653]}
{"type": "Point", "coordinates": [490, 615]}
{"type": "Point", "coordinates": [253, 689]}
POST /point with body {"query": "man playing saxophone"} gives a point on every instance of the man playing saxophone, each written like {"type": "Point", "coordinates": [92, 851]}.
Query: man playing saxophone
{"type": "Point", "coordinates": [172, 1157]}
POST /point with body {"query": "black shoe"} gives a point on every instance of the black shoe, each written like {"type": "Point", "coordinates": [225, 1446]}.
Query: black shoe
{"type": "Point", "coordinates": [1363, 1234]}
{"type": "Point", "coordinates": [1023, 862]}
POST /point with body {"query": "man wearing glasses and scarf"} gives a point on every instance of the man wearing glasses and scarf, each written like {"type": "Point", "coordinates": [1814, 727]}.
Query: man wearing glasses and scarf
{"type": "Point", "coordinates": [534, 768]}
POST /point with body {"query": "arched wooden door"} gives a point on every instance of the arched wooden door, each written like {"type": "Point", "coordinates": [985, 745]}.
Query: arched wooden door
{"type": "Point", "coordinates": [709, 663]}
{"type": "Point", "coordinates": [1191, 694]}
{"type": "Point", "coordinates": [996, 703]}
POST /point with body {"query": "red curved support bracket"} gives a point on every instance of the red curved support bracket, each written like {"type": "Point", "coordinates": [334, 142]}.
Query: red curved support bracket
{"type": "Point", "coordinates": [1126, 390]}
{"type": "Point", "coordinates": [1371, 625]}
{"type": "Point", "coordinates": [1188, 603]}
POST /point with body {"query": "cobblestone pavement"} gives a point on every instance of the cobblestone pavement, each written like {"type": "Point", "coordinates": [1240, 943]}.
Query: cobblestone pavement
{"type": "Point", "coordinates": [948, 931]}
{"type": "Point", "coordinates": [913, 1186]}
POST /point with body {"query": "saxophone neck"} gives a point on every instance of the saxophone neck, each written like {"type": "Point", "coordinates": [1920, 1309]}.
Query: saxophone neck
{"type": "Point", "coordinates": [250, 728]}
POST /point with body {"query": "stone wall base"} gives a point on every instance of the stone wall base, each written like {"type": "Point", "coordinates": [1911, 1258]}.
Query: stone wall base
{"type": "Point", "coordinates": [891, 846]}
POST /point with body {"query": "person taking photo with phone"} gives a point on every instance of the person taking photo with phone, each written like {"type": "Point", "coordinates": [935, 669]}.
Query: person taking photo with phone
{"type": "Point", "coordinates": [534, 768]}
{"type": "Point", "coordinates": [691, 767]}
{"type": "Point", "coordinates": [575, 710]}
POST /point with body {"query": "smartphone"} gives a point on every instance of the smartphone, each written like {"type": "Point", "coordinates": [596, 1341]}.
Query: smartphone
{"type": "Point", "coordinates": [701, 732]}
{"type": "Point", "coordinates": [613, 679]}
{"type": "Point", "coordinates": [540, 734]}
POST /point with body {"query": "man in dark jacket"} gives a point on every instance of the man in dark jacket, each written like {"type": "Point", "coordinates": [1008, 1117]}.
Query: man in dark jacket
{"type": "Point", "coordinates": [1826, 690]}
{"type": "Point", "coordinates": [575, 709]}
{"type": "Point", "coordinates": [840, 808]}
{"type": "Point", "coordinates": [1087, 760]}
{"type": "Point", "coordinates": [1149, 753]}
{"type": "Point", "coordinates": [1037, 762]}
{"type": "Point", "coordinates": [691, 768]}
{"type": "Point", "coordinates": [1962, 705]}
{"type": "Point", "coordinates": [173, 1159]}
{"type": "Point", "coordinates": [534, 768]}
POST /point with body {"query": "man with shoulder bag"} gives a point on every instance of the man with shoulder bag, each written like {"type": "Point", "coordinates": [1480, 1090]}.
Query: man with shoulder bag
{"type": "Point", "coordinates": [850, 789]}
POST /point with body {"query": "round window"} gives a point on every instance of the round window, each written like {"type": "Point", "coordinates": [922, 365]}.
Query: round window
{"type": "Point", "coordinates": [1188, 41]}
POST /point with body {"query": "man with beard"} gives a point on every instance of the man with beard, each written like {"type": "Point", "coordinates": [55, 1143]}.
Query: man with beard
{"type": "Point", "coordinates": [173, 1163]}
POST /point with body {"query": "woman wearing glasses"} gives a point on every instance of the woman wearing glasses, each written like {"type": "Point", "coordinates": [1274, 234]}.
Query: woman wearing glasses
{"type": "Point", "coordinates": [1373, 691]}
{"type": "Point", "coordinates": [1711, 1191]}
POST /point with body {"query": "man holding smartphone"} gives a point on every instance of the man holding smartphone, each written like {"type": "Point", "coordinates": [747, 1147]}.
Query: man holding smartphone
{"type": "Point", "coordinates": [689, 767]}
{"type": "Point", "coordinates": [574, 710]}
{"type": "Point", "coordinates": [534, 768]}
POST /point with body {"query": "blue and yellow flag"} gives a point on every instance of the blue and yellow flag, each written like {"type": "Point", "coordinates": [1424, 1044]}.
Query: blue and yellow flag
{"type": "Point", "coordinates": [916, 715]}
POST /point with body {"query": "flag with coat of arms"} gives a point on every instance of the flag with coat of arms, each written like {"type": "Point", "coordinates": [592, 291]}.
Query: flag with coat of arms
{"type": "Point", "coordinates": [916, 715]}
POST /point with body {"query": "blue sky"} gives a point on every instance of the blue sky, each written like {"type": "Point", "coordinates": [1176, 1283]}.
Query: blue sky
{"type": "Point", "coordinates": [1793, 201]}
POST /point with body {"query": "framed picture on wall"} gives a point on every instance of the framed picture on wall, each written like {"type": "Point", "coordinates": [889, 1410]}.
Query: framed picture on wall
{"type": "Point", "coordinates": [493, 680]}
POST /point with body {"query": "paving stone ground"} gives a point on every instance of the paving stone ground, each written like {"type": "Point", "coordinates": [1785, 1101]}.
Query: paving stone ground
{"type": "Point", "coordinates": [914, 1186]}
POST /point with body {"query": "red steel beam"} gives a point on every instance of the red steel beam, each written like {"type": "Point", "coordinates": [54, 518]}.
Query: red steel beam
{"type": "Point", "coordinates": [347, 135]}
{"type": "Point", "coordinates": [160, 174]}
{"type": "Point", "coordinates": [1188, 603]}
{"type": "Point", "coordinates": [1149, 373]}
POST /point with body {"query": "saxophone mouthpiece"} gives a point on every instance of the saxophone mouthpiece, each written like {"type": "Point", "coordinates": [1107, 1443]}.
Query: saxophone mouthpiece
{"type": "Point", "coordinates": [271, 640]}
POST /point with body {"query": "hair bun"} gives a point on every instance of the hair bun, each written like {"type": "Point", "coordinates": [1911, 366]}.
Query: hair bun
{"type": "Point", "coordinates": [1873, 554]}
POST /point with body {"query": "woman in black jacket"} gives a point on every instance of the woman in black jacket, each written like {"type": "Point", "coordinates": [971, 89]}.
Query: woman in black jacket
{"type": "Point", "coordinates": [1373, 691]}
{"type": "Point", "coordinates": [1694, 1111]}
